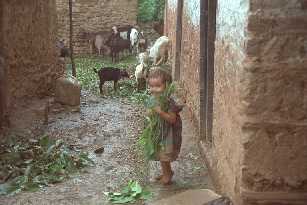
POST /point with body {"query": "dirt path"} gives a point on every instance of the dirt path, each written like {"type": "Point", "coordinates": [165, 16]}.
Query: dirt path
{"type": "Point", "coordinates": [114, 124]}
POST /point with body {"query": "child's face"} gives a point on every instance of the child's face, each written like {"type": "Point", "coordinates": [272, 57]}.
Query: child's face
{"type": "Point", "coordinates": [156, 86]}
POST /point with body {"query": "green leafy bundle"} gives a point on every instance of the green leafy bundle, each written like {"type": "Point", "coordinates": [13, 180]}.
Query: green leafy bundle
{"type": "Point", "coordinates": [39, 164]}
{"type": "Point", "coordinates": [151, 136]}
{"type": "Point", "coordinates": [131, 193]}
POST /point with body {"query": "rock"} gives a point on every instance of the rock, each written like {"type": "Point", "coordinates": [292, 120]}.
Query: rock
{"type": "Point", "coordinates": [68, 91]}
{"type": "Point", "coordinates": [220, 201]}
{"type": "Point", "coordinates": [195, 197]}
{"type": "Point", "coordinates": [99, 150]}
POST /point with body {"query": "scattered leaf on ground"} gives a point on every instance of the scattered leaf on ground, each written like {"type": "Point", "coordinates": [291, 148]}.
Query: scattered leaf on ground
{"type": "Point", "coordinates": [50, 161]}
{"type": "Point", "coordinates": [130, 193]}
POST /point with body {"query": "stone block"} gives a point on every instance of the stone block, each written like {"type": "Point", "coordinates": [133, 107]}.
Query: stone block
{"type": "Point", "coordinates": [195, 197]}
{"type": "Point", "coordinates": [68, 91]}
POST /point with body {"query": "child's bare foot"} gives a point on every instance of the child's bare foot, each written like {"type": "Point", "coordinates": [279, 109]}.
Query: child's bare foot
{"type": "Point", "coordinates": [166, 180]}
{"type": "Point", "coordinates": [158, 178]}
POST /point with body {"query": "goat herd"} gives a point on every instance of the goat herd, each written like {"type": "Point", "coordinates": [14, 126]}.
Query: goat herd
{"type": "Point", "coordinates": [120, 40]}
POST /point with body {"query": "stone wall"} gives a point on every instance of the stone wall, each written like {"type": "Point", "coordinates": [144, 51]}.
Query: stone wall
{"type": "Point", "coordinates": [190, 58]}
{"type": "Point", "coordinates": [189, 66]}
{"type": "Point", "coordinates": [275, 98]}
{"type": "Point", "coordinates": [258, 152]}
{"type": "Point", "coordinates": [226, 149]}
{"type": "Point", "coordinates": [29, 49]}
{"type": "Point", "coordinates": [169, 27]}
{"type": "Point", "coordinates": [93, 16]}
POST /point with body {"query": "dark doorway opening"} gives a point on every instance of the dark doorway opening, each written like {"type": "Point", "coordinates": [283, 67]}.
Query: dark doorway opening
{"type": "Point", "coordinates": [207, 39]}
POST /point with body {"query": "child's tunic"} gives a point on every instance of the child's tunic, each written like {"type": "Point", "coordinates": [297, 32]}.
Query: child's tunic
{"type": "Point", "coordinates": [171, 136]}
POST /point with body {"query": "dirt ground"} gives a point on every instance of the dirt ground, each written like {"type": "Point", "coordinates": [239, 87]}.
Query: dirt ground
{"type": "Point", "coordinates": [113, 123]}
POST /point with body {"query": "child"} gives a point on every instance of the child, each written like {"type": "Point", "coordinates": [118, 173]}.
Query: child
{"type": "Point", "coordinates": [170, 141]}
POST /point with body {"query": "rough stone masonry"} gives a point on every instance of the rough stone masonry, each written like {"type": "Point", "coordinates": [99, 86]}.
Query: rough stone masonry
{"type": "Point", "coordinates": [28, 40]}
{"type": "Point", "coordinates": [259, 144]}
{"type": "Point", "coordinates": [92, 17]}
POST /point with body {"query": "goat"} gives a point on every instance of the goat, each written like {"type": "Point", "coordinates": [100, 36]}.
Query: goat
{"type": "Point", "coordinates": [98, 43]}
{"type": "Point", "coordinates": [159, 52]}
{"type": "Point", "coordinates": [143, 58]}
{"type": "Point", "coordinates": [124, 31]}
{"type": "Point", "coordinates": [110, 74]}
{"type": "Point", "coordinates": [134, 38]}
{"type": "Point", "coordinates": [127, 33]}
{"type": "Point", "coordinates": [117, 44]}
{"type": "Point", "coordinates": [140, 74]}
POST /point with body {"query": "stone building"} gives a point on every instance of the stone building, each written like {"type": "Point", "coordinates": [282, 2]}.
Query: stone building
{"type": "Point", "coordinates": [28, 56]}
{"type": "Point", "coordinates": [246, 89]}
{"type": "Point", "coordinates": [91, 17]}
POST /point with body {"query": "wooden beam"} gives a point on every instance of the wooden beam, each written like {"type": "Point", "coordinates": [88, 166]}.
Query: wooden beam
{"type": "Point", "coordinates": [212, 6]}
{"type": "Point", "coordinates": [176, 74]}
{"type": "Point", "coordinates": [203, 71]}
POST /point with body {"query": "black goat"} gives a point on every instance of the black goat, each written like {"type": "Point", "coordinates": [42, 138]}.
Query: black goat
{"type": "Point", "coordinates": [110, 74]}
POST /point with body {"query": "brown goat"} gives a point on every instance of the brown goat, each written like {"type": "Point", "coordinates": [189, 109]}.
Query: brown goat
{"type": "Point", "coordinates": [117, 44]}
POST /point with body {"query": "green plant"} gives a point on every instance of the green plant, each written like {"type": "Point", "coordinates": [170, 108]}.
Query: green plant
{"type": "Point", "coordinates": [89, 79]}
{"type": "Point", "coordinates": [150, 10]}
{"type": "Point", "coordinates": [130, 194]}
{"type": "Point", "coordinates": [38, 164]}
{"type": "Point", "coordinates": [151, 135]}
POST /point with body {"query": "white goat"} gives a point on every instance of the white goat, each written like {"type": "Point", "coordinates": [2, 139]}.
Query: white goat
{"type": "Point", "coordinates": [159, 52]}
{"type": "Point", "coordinates": [143, 58]}
{"type": "Point", "coordinates": [134, 38]}
{"type": "Point", "coordinates": [99, 43]}
{"type": "Point", "coordinates": [140, 76]}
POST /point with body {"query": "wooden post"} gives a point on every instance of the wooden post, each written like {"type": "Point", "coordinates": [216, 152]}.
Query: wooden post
{"type": "Point", "coordinates": [207, 40]}
{"type": "Point", "coordinates": [203, 71]}
{"type": "Point", "coordinates": [212, 5]}
{"type": "Point", "coordinates": [178, 39]}
{"type": "Point", "coordinates": [71, 40]}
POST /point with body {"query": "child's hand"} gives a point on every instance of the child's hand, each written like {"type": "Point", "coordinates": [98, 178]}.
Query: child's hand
{"type": "Point", "coordinates": [149, 112]}
{"type": "Point", "coordinates": [157, 109]}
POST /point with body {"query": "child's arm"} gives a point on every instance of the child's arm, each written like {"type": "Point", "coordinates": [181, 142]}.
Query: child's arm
{"type": "Point", "coordinates": [170, 117]}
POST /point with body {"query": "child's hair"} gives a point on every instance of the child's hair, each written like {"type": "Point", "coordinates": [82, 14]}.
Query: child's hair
{"type": "Point", "coordinates": [159, 72]}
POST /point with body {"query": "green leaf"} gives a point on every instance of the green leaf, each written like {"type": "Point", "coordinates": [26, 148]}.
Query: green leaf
{"type": "Point", "coordinates": [146, 195]}
{"type": "Point", "coordinates": [52, 163]}
{"type": "Point", "coordinates": [45, 142]}
{"type": "Point", "coordinates": [135, 187]}
{"type": "Point", "coordinates": [130, 193]}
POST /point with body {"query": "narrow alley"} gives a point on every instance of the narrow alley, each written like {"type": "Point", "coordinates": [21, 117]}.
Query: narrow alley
{"type": "Point", "coordinates": [114, 124]}
{"type": "Point", "coordinates": [84, 83]}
